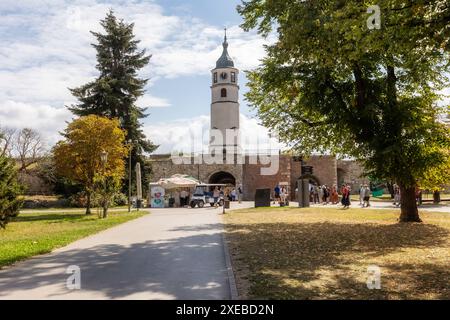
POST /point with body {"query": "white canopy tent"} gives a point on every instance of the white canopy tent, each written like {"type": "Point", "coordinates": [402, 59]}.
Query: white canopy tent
{"type": "Point", "coordinates": [178, 181]}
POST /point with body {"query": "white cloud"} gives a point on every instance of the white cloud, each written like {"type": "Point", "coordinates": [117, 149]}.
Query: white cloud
{"type": "Point", "coordinates": [47, 120]}
{"type": "Point", "coordinates": [148, 101]}
{"type": "Point", "coordinates": [46, 49]}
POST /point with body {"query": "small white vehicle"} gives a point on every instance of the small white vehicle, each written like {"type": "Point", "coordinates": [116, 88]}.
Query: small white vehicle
{"type": "Point", "coordinates": [203, 194]}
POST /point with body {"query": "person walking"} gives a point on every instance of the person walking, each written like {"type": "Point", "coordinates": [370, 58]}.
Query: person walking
{"type": "Point", "coordinates": [240, 193]}
{"type": "Point", "coordinates": [320, 192]}
{"type": "Point", "coordinates": [233, 194]}
{"type": "Point", "coordinates": [396, 195]}
{"type": "Point", "coordinates": [366, 196]}
{"type": "Point", "coordinates": [216, 196]}
{"type": "Point", "coordinates": [326, 194]}
{"type": "Point", "coordinates": [345, 196]}
{"type": "Point", "coordinates": [316, 194]}
{"type": "Point", "coordinates": [282, 197]}
{"type": "Point", "coordinates": [418, 196]}
{"type": "Point", "coordinates": [361, 195]}
{"type": "Point", "coordinates": [183, 196]}
{"type": "Point", "coordinates": [277, 192]}
{"type": "Point", "coordinates": [334, 195]}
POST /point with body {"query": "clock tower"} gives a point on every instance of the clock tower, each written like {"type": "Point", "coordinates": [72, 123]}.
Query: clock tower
{"type": "Point", "coordinates": [224, 135]}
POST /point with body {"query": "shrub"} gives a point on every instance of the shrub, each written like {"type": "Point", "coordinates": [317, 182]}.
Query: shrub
{"type": "Point", "coordinates": [10, 189]}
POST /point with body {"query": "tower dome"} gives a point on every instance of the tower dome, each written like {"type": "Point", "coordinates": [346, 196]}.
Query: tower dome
{"type": "Point", "coordinates": [225, 60]}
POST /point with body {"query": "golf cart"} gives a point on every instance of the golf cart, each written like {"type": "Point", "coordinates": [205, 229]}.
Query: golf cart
{"type": "Point", "coordinates": [203, 194]}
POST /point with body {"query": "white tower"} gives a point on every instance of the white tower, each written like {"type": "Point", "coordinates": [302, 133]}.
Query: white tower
{"type": "Point", "coordinates": [225, 105]}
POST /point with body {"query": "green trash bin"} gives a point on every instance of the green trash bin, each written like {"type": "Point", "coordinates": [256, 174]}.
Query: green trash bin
{"type": "Point", "coordinates": [377, 193]}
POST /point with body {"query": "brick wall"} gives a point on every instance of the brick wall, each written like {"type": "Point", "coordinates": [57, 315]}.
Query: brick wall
{"type": "Point", "coordinates": [250, 173]}
{"type": "Point", "coordinates": [351, 172]}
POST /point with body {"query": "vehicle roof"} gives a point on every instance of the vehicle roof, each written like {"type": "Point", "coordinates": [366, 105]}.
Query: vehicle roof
{"type": "Point", "coordinates": [211, 185]}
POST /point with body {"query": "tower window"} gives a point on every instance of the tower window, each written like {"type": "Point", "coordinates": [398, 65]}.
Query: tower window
{"type": "Point", "coordinates": [223, 93]}
{"type": "Point", "coordinates": [233, 77]}
{"type": "Point", "coordinates": [215, 77]}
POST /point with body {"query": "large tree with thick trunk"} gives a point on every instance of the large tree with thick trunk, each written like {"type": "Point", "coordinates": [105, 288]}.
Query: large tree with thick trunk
{"type": "Point", "coordinates": [333, 83]}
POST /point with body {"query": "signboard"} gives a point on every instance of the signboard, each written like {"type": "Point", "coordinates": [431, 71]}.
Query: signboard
{"type": "Point", "coordinates": [157, 197]}
{"type": "Point", "coordinates": [307, 170]}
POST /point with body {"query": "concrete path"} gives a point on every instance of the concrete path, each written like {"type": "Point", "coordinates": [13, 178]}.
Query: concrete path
{"type": "Point", "coordinates": [169, 254]}
{"type": "Point", "coordinates": [386, 205]}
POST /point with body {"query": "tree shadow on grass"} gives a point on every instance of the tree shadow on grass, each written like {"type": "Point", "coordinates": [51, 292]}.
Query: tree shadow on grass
{"type": "Point", "coordinates": [328, 260]}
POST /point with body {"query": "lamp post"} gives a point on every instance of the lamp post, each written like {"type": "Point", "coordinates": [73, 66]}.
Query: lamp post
{"type": "Point", "coordinates": [130, 143]}
{"type": "Point", "coordinates": [104, 159]}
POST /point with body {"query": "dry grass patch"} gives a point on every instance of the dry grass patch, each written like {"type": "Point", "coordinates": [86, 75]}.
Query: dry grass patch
{"type": "Point", "coordinates": [322, 253]}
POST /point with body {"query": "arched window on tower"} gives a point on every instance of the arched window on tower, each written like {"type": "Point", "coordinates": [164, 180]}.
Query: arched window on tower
{"type": "Point", "coordinates": [223, 93]}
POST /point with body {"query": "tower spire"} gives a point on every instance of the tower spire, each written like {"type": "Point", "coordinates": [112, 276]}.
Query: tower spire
{"type": "Point", "coordinates": [225, 60]}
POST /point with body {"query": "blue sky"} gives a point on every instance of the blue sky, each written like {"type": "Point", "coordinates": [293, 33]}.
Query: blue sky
{"type": "Point", "coordinates": [46, 49]}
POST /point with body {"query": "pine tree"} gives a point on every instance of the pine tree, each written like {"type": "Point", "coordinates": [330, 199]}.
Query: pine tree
{"type": "Point", "coordinates": [10, 189]}
{"type": "Point", "coordinates": [115, 92]}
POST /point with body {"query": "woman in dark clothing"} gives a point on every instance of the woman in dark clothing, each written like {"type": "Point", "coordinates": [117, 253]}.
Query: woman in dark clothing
{"type": "Point", "coordinates": [345, 196]}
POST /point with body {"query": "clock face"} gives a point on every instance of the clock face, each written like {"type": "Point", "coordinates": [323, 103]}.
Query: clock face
{"type": "Point", "coordinates": [223, 75]}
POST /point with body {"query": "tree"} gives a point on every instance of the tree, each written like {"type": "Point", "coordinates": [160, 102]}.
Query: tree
{"type": "Point", "coordinates": [29, 148]}
{"type": "Point", "coordinates": [46, 170]}
{"type": "Point", "coordinates": [115, 92]}
{"type": "Point", "coordinates": [331, 84]}
{"type": "Point", "coordinates": [10, 190]}
{"type": "Point", "coordinates": [436, 178]}
{"type": "Point", "coordinates": [6, 141]}
{"type": "Point", "coordinates": [78, 156]}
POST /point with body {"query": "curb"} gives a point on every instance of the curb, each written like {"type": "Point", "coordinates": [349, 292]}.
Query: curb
{"type": "Point", "coordinates": [231, 278]}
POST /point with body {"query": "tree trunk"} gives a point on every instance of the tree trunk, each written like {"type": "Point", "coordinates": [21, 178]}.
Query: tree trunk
{"type": "Point", "coordinates": [105, 211]}
{"type": "Point", "coordinates": [409, 211]}
{"type": "Point", "coordinates": [105, 207]}
{"type": "Point", "coordinates": [88, 203]}
{"type": "Point", "coordinates": [390, 187]}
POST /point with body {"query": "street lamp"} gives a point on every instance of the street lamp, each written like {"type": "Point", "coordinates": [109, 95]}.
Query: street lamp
{"type": "Point", "coordinates": [130, 144]}
{"type": "Point", "coordinates": [104, 159]}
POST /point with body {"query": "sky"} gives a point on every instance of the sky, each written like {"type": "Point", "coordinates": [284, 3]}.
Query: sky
{"type": "Point", "coordinates": [46, 49]}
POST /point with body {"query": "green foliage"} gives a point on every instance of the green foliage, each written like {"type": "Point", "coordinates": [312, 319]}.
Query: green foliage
{"type": "Point", "coordinates": [330, 84]}
{"type": "Point", "coordinates": [115, 92]}
{"type": "Point", "coordinates": [120, 199]}
{"type": "Point", "coordinates": [10, 190]}
{"type": "Point", "coordinates": [437, 177]}
{"type": "Point", "coordinates": [46, 170]}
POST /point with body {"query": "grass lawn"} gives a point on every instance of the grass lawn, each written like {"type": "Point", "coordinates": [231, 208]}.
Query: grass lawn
{"type": "Point", "coordinates": [322, 253]}
{"type": "Point", "coordinates": [31, 234]}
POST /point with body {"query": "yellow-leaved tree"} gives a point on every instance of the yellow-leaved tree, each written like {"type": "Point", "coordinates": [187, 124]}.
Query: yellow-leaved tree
{"type": "Point", "coordinates": [92, 154]}
{"type": "Point", "coordinates": [436, 179]}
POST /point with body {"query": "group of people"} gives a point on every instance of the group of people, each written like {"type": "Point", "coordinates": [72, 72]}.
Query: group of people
{"type": "Point", "coordinates": [323, 195]}
{"type": "Point", "coordinates": [330, 195]}
{"type": "Point", "coordinates": [364, 196]}
{"type": "Point", "coordinates": [180, 198]}
{"type": "Point", "coordinates": [280, 195]}
{"type": "Point", "coordinates": [233, 194]}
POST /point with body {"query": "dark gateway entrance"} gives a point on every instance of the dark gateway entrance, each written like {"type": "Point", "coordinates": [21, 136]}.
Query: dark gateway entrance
{"type": "Point", "coordinates": [222, 177]}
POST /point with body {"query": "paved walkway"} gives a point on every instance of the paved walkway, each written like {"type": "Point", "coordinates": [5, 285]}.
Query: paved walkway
{"type": "Point", "coordinates": [386, 205]}
{"type": "Point", "coordinates": [169, 254]}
